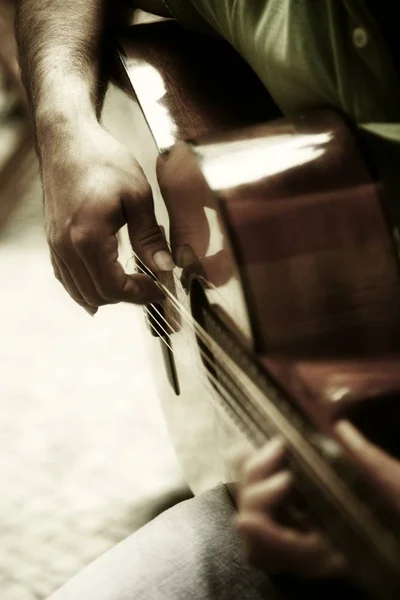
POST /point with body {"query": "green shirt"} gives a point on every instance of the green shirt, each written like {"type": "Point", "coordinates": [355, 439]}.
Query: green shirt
{"type": "Point", "coordinates": [316, 53]}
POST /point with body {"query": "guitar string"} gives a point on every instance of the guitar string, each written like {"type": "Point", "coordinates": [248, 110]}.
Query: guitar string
{"type": "Point", "coordinates": [222, 390]}
{"type": "Point", "coordinates": [230, 367]}
{"type": "Point", "coordinates": [290, 434]}
{"type": "Point", "coordinates": [253, 426]}
{"type": "Point", "coordinates": [174, 352]}
{"type": "Point", "coordinates": [202, 333]}
{"type": "Point", "coordinates": [231, 380]}
{"type": "Point", "coordinates": [209, 342]}
{"type": "Point", "coordinates": [250, 421]}
{"type": "Point", "coordinates": [147, 271]}
{"type": "Point", "coordinates": [224, 360]}
{"type": "Point", "coordinates": [203, 355]}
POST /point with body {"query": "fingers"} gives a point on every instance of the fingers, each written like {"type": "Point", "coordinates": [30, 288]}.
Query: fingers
{"type": "Point", "coordinates": [90, 272]}
{"type": "Point", "coordinates": [377, 465]}
{"type": "Point", "coordinates": [368, 454]}
{"type": "Point", "coordinates": [89, 194]}
{"type": "Point", "coordinates": [280, 549]}
{"type": "Point", "coordinates": [76, 279]}
{"type": "Point", "coordinates": [185, 192]}
{"type": "Point", "coordinates": [269, 544]}
{"type": "Point", "coordinates": [263, 496]}
{"type": "Point", "coordinates": [144, 233]}
{"type": "Point", "coordinates": [264, 484]}
{"type": "Point", "coordinates": [63, 276]}
{"type": "Point", "coordinates": [265, 462]}
{"type": "Point", "coordinates": [107, 275]}
{"type": "Point", "coordinates": [235, 461]}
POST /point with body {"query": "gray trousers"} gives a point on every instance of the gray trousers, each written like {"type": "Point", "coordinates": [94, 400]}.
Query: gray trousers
{"type": "Point", "coordinates": [189, 552]}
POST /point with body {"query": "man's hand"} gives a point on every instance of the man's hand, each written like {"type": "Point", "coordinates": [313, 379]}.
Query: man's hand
{"type": "Point", "coordinates": [92, 187]}
{"type": "Point", "coordinates": [268, 544]}
{"type": "Point", "coordinates": [265, 485]}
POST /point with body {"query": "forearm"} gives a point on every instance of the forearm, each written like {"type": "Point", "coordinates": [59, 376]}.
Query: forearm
{"type": "Point", "coordinates": [61, 43]}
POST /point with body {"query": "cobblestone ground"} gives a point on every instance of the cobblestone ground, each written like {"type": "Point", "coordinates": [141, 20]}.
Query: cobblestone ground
{"type": "Point", "coordinates": [84, 454]}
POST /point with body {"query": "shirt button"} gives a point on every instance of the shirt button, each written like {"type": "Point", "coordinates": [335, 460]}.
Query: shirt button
{"type": "Point", "coordinates": [360, 37]}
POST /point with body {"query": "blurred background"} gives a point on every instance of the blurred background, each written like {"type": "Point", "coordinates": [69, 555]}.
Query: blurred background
{"type": "Point", "coordinates": [85, 458]}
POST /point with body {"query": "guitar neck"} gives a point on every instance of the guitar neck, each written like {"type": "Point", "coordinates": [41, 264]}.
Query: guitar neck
{"type": "Point", "coordinates": [364, 528]}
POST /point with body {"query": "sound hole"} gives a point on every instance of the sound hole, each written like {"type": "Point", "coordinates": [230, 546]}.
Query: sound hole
{"type": "Point", "coordinates": [379, 421]}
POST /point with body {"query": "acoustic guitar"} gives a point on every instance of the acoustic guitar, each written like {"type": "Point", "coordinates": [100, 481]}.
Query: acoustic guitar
{"type": "Point", "coordinates": [283, 313]}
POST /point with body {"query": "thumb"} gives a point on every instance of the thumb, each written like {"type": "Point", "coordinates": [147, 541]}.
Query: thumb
{"type": "Point", "coordinates": [145, 234]}
{"type": "Point", "coordinates": [185, 194]}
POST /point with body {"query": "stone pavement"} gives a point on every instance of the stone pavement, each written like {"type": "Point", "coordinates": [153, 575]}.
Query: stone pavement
{"type": "Point", "coordinates": [84, 453]}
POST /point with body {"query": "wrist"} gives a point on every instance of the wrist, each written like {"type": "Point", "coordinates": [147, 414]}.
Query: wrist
{"type": "Point", "coordinates": [58, 140]}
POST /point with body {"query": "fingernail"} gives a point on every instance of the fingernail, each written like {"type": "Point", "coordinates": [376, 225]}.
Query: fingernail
{"type": "Point", "coordinates": [185, 256]}
{"type": "Point", "coordinates": [163, 260]}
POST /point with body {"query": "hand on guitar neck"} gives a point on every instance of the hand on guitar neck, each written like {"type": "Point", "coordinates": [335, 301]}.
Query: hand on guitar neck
{"type": "Point", "coordinates": [265, 486]}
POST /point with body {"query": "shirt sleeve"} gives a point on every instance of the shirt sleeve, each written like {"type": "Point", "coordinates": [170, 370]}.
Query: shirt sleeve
{"type": "Point", "coordinates": [188, 16]}
{"type": "Point", "coordinates": [381, 144]}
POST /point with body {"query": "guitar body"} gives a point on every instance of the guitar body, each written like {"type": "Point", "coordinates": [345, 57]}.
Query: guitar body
{"type": "Point", "coordinates": [282, 315]}
{"type": "Point", "coordinates": [162, 84]}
